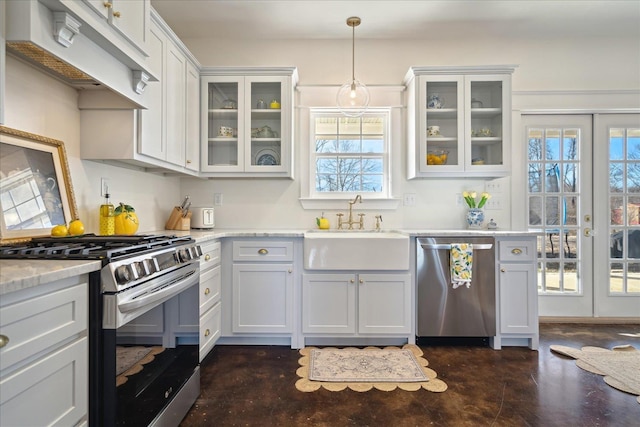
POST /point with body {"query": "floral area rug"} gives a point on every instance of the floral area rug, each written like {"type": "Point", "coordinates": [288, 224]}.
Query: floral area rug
{"type": "Point", "coordinates": [364, 369]}
{"type": "Point", "coordinates": [620, 366]}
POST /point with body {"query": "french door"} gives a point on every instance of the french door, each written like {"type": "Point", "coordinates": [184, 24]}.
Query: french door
{"type": "Point", "coordinates": [559, 201]}
{"type": "Point", "coordinates": [583, 197]}
{"type": "Point", "coordinates": [617, 215]}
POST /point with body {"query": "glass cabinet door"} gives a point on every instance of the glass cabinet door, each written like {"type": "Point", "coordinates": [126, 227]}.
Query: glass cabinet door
{"type": "Point", "coordinates": [485, 99]}
{"type": "Point", "coordinates": [264, 96]}
{"type": "Point", "coordinates": [442, 129]}
{"type": "Point", "coordinates": [223, 124]}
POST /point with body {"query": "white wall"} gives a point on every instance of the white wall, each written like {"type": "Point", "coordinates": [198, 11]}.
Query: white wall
{"type": "Point", "coordinates": [40, 104]}
{"type": "Point", "coordinates": [556, 66]}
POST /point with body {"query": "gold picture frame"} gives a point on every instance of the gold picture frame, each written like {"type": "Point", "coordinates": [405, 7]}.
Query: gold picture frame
{"type": "Point", "coordinates": [35, 186]}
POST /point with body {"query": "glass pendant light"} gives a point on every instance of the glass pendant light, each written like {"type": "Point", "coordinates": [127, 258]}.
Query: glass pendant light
{"type": "Point", "coordinates": [353, 96]}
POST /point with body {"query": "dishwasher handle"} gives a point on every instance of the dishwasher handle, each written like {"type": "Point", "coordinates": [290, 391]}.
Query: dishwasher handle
{"type": "Point", "coordinates": [447, 246]}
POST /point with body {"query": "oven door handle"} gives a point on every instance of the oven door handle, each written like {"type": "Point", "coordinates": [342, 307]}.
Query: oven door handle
{"type": "Point", "coordinates": [160, 293]}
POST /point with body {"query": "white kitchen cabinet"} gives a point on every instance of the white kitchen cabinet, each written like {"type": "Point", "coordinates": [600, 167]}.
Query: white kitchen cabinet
{"type": "Point", "coordinates": [2, 60]}
{"type": "Point", "coordinates": [163, 136]}
{"type": "Point", "coordinates": [351, 304]}
{"type": "Point", "coordinates": [130, 18]}
{"type": "Point", "coordinates": [210, 296]}
{"type": "Point", "coordinates": [517, 292]}
{"type": "Point", "coordinates": [471, 109]}
{"type": "Point", "coordinates": [244, 132]}
{"type": "Point", "coordinates": [262, 285]}
{"type": "Point", "coordinates": [44, 363]}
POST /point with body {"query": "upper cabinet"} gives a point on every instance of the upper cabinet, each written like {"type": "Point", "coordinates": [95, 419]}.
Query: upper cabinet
{"type": "Point", "coordinates": [130, 18]}
{"type": "Point", "coordinates": [247, 122]}
{"type": "Point", "coordinates": [459, 121]}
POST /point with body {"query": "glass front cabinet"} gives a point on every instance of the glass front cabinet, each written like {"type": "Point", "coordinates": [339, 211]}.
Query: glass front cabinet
{"type": "Point", "coordinates": [459, 121]}
{"type": "Point", "coordinates": [247, 122]}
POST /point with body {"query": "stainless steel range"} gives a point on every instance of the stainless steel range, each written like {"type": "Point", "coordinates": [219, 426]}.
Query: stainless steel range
{"type": "Point", "coordinates": [143, 363]}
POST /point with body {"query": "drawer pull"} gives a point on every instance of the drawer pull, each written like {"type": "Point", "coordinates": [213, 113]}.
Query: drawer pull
{"type": "Point", "coordinates": [352, 281]}
{"type": "Point", "coordinates": [502, 270]}
{"type": "Point", "coordinates": [4, 340]}
{"type": "Point", "coordinates": [516, 251]}
{"type": "Point", "coordinates": [207, 257]}
{"type": "Point", "coordinates": [116, 14]}
{"type": "Point", "coordinates": [361, 281]}
{"type": "Point", "coordinates": [263, 251]}
{"type": "Point", "coordinates": [207, 291]}
{"type": "Point", "coordinates": [207, 332]}
{"type": "Point", "coordinates": [107, 4]}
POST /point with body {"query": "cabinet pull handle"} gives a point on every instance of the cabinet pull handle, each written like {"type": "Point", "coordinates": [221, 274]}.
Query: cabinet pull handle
{"type": "Point", "coordinates": [516, 251]}
{"type": "Point", "coordinates": [502, 270]}
{"type": "Point", "coordinates": [290, 271]}
{"type": "Point", "coordinates": [263, 251]}
{"type": "Point", "coordinates": [361, 281]}
{"type": "Point", "coordinates": [188, 162]}
{"type": "Point", "coordinates": [116, 14]}
{"type": "Point", "coordinates": [4, 340]}
{"type": "Point", "coordinates": [207, 333]}
{"type": "Point", "coordinates": [207, 291]}
{"type": "Point", "coordinates": [107, 4]}
{"type": "Point", "coordinates": [352, 281]}
{"type": "Point", "coordinates": [207, 257]}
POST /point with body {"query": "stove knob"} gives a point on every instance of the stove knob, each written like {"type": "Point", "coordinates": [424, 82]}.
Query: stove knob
{"type": "Point", "coordinates": [139, 270]}
{"type": "Point", "coordinates": [184, 255]}
{"type": "Point", "coordinates": [123, 274]}
{"type": "Point", "coordinates": [151, 266]}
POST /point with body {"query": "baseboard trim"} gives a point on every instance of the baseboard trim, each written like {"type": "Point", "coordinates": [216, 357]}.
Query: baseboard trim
{"type": "Point", "coordinates": [592, 320]}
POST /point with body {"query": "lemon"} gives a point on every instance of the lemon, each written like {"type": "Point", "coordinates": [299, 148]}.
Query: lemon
{"type": "Point", "coordinates": [76, 227]}
{"type": "Point", "coordinates": [59, 230]}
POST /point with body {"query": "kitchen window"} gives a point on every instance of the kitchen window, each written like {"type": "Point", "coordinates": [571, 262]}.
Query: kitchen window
{"type": "Point", "coordinates": [349, 155]}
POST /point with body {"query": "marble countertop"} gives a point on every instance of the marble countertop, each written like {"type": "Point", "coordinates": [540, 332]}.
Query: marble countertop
{"type": "Point", "coordinates": [22, 274]}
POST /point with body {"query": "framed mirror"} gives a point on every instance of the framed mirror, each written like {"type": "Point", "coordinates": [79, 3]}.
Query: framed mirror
{"type": "Point", "coordinates": [35, 185]}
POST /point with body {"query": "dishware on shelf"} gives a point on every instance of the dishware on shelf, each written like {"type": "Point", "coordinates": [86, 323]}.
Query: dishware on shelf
{"type": "Point", "coordinates": [229, 104]}
{"type": "Point", "coordinates": [265, 132]}
{"type": "Point", "coordinates": [475, 103]}
{"type": "Point", "coordinates": [437, 157]}
{"type": "Point", "coordinates": [433, 131]}
{"type": "Point", "coordinates": [267, 157]}
{"type": "Point", "coordinates": [261, 105]}
{"type": "Point", "coordinates": [435, 101]}
{"type": "Point", "coordinates": [275, 104]}
{"type": "Point", "coordinates": [226, 131]}
{"type": "Point", "coordinates": [477, 161]}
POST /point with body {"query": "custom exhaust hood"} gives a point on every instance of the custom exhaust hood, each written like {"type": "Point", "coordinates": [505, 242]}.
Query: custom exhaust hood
{"type": "Point", "coordinates": [61, 45]}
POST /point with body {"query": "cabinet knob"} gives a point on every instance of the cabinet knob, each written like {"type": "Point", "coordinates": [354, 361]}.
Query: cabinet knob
{"type": "Point", "coordinates": [116, 14]}
{"type": "Point", "coordinates": [516, 251]}
{"type": "Point", "coordinates": [4, 340]}
{"type": "Point", "coordinates": [352, 281]}
{"type": "Point", "coordinates": [207, 257]}
{"type": "Point", "coordinates": [188, 162]}
{"type": "Point", "coordinates": [502, 270]}
{"type": "Point", "coordinates": [263, 251]}
{"type": "Point", "coordinates": [207, 333]}
{"type": "Point", "coordinates": [361, 281]}
{"type": "Point", "coordinates": [290, 271]}
{"type": "Point", "coordinates": [107, 4]}
{"type": "Point", "coordinates": [207, 291]}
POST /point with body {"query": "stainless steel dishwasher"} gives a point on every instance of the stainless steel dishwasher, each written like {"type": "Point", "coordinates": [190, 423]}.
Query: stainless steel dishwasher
{"type": "Point", "coordinates": [462, 312]}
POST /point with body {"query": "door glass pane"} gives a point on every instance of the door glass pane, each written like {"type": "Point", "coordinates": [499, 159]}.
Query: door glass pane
{"type": "Point", "coordinates": [553, 187]}
{"type": "Point", "coordinates": [266, 124]}
{"type": "Point", "coordinates": [223, 124]}
{"type": "Point", "coordinates": [624, 210]}
{"type": "Point", "coordinates": [442, 124]}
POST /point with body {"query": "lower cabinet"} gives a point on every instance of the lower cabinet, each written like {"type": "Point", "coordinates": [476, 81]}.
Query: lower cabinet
{"type": "Point", "coordinates": [209, 296]}
{"type": "Point", "coordinates": [350, 304]}
{"type": "Point", "coordinates": [517, 292]}
{"type": "Point", "coordinates": [44, 354]}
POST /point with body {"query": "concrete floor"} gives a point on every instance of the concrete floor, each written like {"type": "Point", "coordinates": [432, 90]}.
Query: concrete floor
{"type": "Point", "coordinates": [255, 386]}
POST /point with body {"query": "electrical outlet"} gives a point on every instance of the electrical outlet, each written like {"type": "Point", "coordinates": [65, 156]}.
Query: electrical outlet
{"type": "Point", "coordinates": [217, 199]}
{"type": "Point", "coordinates": [494, 203]}
{"type": "Point", "coordinates": [410, 199]}
{"type": "Point", "coordinates": [104, 186]}
{"type": "Point", "coordinates": [460, 200]}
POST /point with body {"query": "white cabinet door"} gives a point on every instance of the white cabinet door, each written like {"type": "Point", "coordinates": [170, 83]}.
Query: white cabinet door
{"type": "Point", "coordinates": [384, 303]}
{"type": "Point", "coordinates": [152, 134]}
{"type": "Point", "coordinates": [131, 19]}
{"type": "Point", "coordinates": [175, 81]}
{"type": "Point", "coordinates": [192, 113]}
{"type": "Point", "coordinates": [262, 298]}
{"type": "Point", "coordinates": [329, 303]}
{"type": "Point", "coordinates": [518, 298]}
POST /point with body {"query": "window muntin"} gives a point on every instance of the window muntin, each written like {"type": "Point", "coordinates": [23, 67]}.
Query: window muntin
{"type": "Point", "coordinates": [350, 155]}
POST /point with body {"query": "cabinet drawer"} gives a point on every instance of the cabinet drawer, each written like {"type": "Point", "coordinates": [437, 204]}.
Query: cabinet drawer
{"type": "Point", "coordinates": [210, 330]}
{"type": "Point", "coordinates": [210, 282]}
{"type": "Point", "coordinates": [263, 251]}
{"type": "Point", "coordinates": [52, 391]}
{"type": "Point", "coordinates": [210, 255]}
{"type": "Point", "coordinates": [517, 250]}
{"type": "Point", "coordinates": [35, 324]}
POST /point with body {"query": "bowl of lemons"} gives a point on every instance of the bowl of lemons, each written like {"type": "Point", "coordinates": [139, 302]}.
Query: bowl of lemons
{"type": "Point", "coordinates": [437, 157]}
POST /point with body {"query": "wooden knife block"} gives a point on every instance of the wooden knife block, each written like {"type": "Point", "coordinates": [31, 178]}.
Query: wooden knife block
{"type": "Point", "coordinates": [178, 222]}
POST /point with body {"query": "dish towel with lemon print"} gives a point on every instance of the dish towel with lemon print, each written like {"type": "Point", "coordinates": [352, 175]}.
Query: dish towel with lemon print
{"type": "Point", "coordinates": [461, 263]}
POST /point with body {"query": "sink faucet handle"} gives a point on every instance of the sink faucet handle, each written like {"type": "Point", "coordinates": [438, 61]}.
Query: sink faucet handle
{"type": "Point", "coordinates": [339, 215]}
{"type": "Point", "coordinates": [378, 221]}
{"type": "Point", "coordinates": [361, 222]}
